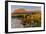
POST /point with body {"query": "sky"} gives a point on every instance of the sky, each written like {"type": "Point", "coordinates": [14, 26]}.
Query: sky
{"type": "Point", "coordinates": [14, 7]}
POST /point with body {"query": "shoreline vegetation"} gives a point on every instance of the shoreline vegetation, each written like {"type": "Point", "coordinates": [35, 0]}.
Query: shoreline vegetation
{"type": "Point", "coordinates": [29, 18]}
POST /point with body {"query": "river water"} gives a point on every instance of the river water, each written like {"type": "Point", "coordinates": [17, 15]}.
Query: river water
{"type": "Point", "coordinates": [16, 23]}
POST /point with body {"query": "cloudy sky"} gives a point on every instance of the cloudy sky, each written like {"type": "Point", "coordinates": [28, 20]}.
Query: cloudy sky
{"type": "Point", "coordinates": [14, 7]}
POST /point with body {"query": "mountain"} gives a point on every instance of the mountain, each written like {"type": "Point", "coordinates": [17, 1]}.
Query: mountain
{"type": "Point", "coordinates": [23, 11]}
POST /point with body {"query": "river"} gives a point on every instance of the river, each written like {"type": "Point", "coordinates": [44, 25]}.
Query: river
{"type": "Point", "coordinates": [16, 23]}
